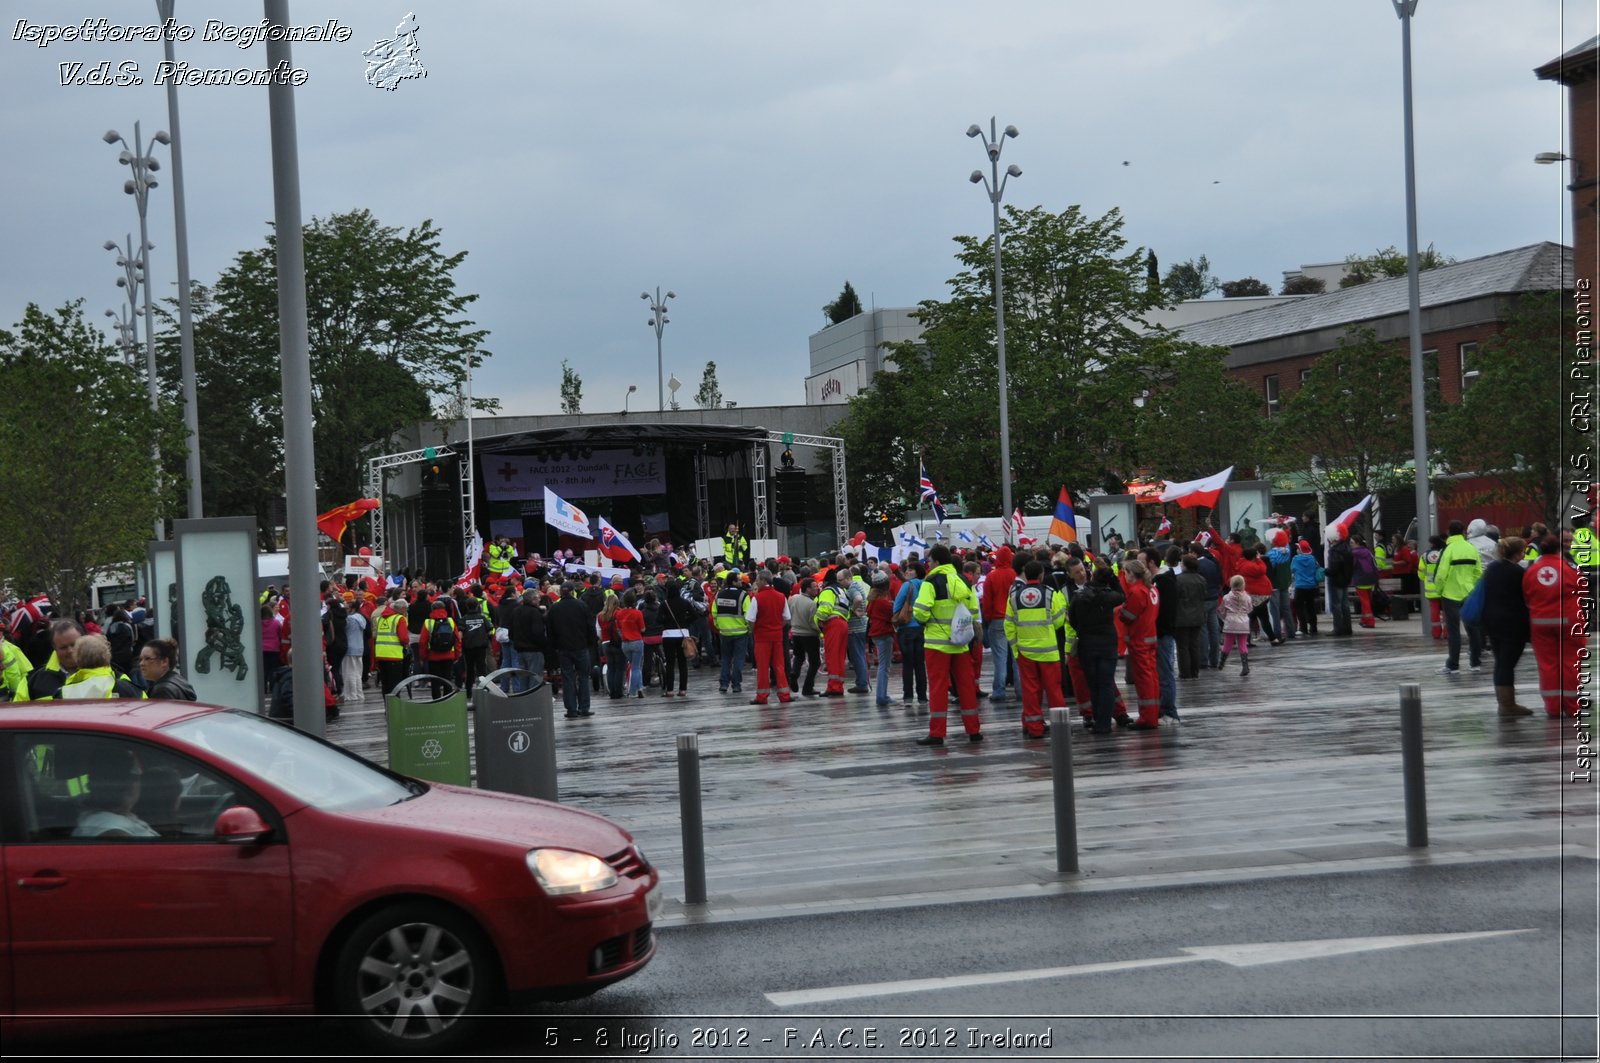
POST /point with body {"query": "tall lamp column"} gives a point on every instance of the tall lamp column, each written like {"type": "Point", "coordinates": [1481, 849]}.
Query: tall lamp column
{"type": "Point", "coordinates": [658, 321]}
{"type": "Point", "coordinates": [995, 185]}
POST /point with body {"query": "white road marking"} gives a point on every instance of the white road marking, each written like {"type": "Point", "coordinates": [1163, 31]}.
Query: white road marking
{"type": "Point", "coordinates": [1242, 955]}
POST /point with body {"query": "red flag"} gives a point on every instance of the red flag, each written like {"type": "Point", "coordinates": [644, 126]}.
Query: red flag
{"type": "Point", "coordinates": [1346, 520]}
{"type": "Point", "coordinates": [1202, 492]}
{"type": "Point", "coordinates": [333, 522]}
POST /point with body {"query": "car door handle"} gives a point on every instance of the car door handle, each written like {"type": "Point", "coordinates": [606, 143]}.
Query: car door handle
{"type": "Point", "coordinates": [42, 880]}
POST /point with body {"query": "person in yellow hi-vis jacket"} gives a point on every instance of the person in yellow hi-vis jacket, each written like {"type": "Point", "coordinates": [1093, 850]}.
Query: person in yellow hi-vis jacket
{"type": "Point", "coordinates": [1034, 613]}
{"type": "Point", "coordinates": [944, 594]}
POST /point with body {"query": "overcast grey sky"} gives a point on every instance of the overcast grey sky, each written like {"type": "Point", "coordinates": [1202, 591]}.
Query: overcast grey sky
{"type": "Point", "coordinates": [753, 155]}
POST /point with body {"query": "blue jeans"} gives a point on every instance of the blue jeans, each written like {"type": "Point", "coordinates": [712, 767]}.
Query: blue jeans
{"type": "Point", "coordinates": [858, 657]}
{"type": "Point", "coordinates": [913, 665]}
{"type": "Point", "coordinates": [994, 640]}
{"type": "Point", "coordinates": [634, 652]}
{"type": "Point", "coordinates": [885, 647]}
{"type": "Point", "coordinates": [1452, 630]}
{"type": "Point", "coordinates": [734, 648]}
{"type": "Point", "coordinates": [1283, 618]}
{"type": "Point", "coordinates": [575, 680]}
{"type": "Point", "coordinates": [616, 668]}
{"type": "Point", "coordinates": [1167, 673]}
{"type": "Point", "coordinates": [515, 684]}
{"type": "Point", "coordinates": [1339, 606]}
{"type": "Point", "coordinates": [1213, 634]}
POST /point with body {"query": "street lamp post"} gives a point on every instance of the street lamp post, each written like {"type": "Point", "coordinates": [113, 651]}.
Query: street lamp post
{"type": "Point", "coordinates": [1404, 9]}
{"type": "Point", "coordinates": [127, 332]}
{"type": "Point", "coordinates": [658, 321]}
{"type": "Point", "coordinates": [995, 186]}
{"type": "Point", "coordinates": [141, 165]}
{"type": "Point", "coordinates": [631, 389]}
{"type": "Point", "coordinates": [132, 279]}
{"type": "Point", "coordinates": [180, 220]}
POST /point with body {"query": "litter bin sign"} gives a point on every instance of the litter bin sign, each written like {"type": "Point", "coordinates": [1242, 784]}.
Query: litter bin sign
{"type": "Point", "coordinates": [428, 737]}
{"type": "Point", "coordinates": [515, 736]}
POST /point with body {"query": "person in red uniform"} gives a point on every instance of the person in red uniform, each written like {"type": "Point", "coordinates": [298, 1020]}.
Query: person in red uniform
{"type": "Point", "coordinates": [833, 612]}
{"type": "Point", "coordinates": [1555, 599]}
{"type": "Point", "coordinates": [767, 612]}
{"type": "Point", "coordinates": [438, 661]}
{"type": "Point", "coordinates": [1138, 613]}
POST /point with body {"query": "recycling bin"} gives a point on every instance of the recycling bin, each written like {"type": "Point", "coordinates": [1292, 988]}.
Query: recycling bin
{"type": "Point", "coordinates": [515, 736]}
{"type": "Point", "coordinates": [428, 736]}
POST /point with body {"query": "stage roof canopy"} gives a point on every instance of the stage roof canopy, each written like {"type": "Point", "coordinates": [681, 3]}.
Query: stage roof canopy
{"type": "Point", "coordinates": [719, 438]}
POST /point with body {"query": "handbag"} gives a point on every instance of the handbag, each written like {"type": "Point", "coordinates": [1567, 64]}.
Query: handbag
{"type": "Point", "coordinates": [1472, 608]}
{"type": "Point", "coordinates": [691, 648]}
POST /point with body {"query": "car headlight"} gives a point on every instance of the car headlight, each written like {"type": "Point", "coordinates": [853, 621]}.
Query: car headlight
{"type": "Point", "coordinates": [564, 871]}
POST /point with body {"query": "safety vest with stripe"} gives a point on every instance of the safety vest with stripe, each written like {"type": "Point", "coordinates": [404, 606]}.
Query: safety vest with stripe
{"type": "Point", "coordinates": [832, 602]}
{"type": "Point", "coordinates": [942, 591]}
{"type": "Point", "coordinates": [386, 644]}
{"type": "Point", "coordinates": [729, 613]}
{"type": "Point", "coordinates": [499, 559]}
{"type": "Point", "coordinates": [1430, 574]}
{"type": "Point", "coordinates": [1034, 612]}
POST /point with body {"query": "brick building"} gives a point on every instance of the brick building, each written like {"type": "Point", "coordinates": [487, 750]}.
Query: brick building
{"type": "Point", "coordinates": [1577, 71]}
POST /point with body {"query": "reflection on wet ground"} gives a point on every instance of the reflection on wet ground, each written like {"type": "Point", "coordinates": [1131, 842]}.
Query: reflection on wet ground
{"type": "Point", "coordinates": [830, 801]}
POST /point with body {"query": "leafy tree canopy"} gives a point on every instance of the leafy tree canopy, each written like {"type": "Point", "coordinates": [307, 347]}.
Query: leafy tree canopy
{"type": "Point", "coordinates": [1300, 284]}
{"type": "Point", "coordinates": [571, 389]}
{"type": "Point", "coordinates": [1388, 262]}
{"type": "Point", "coordinates": [1189, 279]}
{"type": "Point", "coordinates": [1244, 286]}
{"type": "Point", "coordinates": [79, 476]}
{"type": "Point", "coordinates": [709, 394]}
{"type": "Point", "coordinates": [847, 306]}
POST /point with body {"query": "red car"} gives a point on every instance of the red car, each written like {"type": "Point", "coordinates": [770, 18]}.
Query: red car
{"type": "Point", "coordinates": [169, 858]}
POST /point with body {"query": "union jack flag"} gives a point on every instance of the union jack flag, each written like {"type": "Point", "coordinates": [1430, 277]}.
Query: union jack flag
{"type": "Point", "coordinates": [931, 494]}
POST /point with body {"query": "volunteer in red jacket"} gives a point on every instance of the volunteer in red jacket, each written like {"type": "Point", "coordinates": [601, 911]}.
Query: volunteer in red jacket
{"type": "Point", "coordinates": [440, 644]}
{"type": "Point", "coordinates": [996, 592]}
{"type": "Point", "coordinates": [1139, 615]}
{"type": "Point", "coordinates": [1555, 602]}
{"type": "Point", "coordinates": [767, 612]}
{"type": "Point", "coordinates": [833, 613]}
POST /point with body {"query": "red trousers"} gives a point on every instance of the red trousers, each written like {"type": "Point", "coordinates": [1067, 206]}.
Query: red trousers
{"type": "Point", "coordinates": [1080, 687]}
{"type": "Point", "coordinates": [835, 648]}
{"type": "Point", "coordinates": [1040, 681]}
{"type": "Point", "coordinates": [1438, 618]}
{"type": "Point", "coordinates": [943, 669]}
{"type": "Point", "coordinates": [1556, 650]}
{"type": "Point", "coordinates": [769, 656]}
{"type": "Point", "coordinates": [1146, 683]}
{"type": "Point", "coordinates": [1365, 594]}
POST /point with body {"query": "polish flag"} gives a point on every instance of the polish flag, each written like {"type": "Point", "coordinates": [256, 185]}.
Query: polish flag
{"type": "Point", "coordinates": [1191, 493]}
{"type": "Point", "coordinates": [1164, 529]}
{"type": "Point", "coordinates": [1341, 525]}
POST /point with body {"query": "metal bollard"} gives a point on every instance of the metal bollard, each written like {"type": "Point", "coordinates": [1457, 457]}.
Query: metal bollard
{"type": "Point", "coordinates": [1061, 778]}
{"type": "Point", "coordinates": [1411, 765]}
{"type": "Point", "coordinates": [694, 842]}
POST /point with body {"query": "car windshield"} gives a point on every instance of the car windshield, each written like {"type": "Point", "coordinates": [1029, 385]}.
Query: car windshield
{"type": "Point", "coordinates": [317, 772]}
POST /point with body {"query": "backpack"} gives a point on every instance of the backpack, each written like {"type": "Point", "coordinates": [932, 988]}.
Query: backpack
{"type": "Point", "coordinates": [442, 639]}
{"type": "Point", "coordinates": [474, 631]}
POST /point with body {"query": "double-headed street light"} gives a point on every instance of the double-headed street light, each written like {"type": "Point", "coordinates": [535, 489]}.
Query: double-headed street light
{"type": "Point", "coordinates": [658, 321]}
{"type": "Point", "coordinates": [995, 186]}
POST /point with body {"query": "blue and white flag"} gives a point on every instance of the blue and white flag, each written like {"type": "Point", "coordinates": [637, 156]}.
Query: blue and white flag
{"type": "Point", "coordinates": [915, 543]}
{"type": "Point", "coordinates": [564, 516]}
{"type": "Point", "coordinates": [984, 540]}
{"type": "Point", "coordinates": [965, 536]}
{"type": "Point", "coordinates": [939, 536]}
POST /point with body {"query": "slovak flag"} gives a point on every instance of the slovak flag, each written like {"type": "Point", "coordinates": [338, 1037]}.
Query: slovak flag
{"type": "Point", "coordinates": [930, 493]}
{"type": "Point", "coordinates": [1064, 523]}
{"type": "Point", "coordinates": [564, 516]}
{"type": "Point", "coordinates": [1346, 520]}
{"type": "Point", "coordinates": [615, 545]}
{"type": "Point", "coordinates": [1202, 492]}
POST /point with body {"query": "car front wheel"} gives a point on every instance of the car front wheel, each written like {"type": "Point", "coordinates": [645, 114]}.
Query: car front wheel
{"type": "Point", "coordinates": [416, 974]}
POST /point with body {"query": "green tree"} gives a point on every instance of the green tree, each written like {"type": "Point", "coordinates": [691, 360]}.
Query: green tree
{"type": "Point", "coordinates": [240, 415]}
{"type": "Point", "coordinates": [1507, 428]}
{"type": "Point", "coordinates": [1189, 279]}
{"type": "Point", "coordinates": [1348, 428]}
{"type": "Point", "coordinates": [847, 306]}
{"type": "Point", "coordinates": [709, 396]}
{"type": "Point", "coordinates": [387, 331]}
{"type": "Point", "coordinates": [1300, 284]}
{"type": "Point", "coordinates": [1244, 286]}
{"type": "Point", "coordinates": [1074, 294]}
{"type": "Point", "coordinates": [1388, 262]}
{"type": "Point", "coordinates": [79, 477]}
{"type": "Point", "coordinates": [1196, 418]}
{"type": "Point", "coordinates": [571, 389]}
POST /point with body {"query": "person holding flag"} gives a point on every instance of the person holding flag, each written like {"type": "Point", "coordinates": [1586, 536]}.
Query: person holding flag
{"type": "Point", "coordinates": [1064, 522]}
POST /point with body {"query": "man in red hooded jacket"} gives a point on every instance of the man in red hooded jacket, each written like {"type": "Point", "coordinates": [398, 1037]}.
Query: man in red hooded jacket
{"type": "Point", "coordinates": [1139, 612]}
{"type": "Point", "coordinates": [996, 591]}
{"type": "Point", "coordinates": [1560, 626]}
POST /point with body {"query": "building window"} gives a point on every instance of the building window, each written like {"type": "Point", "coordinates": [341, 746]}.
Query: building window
{"type": "Point", "coordinates": [1271, 383]}
{"type": "Point", "coordinates": [1430, 378]}
{"type": "Point", "coordinates": [1305, 377]}
{"type": "Point", "coordinates": [1469, 366]}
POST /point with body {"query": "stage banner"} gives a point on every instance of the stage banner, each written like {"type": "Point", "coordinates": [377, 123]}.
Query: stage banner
{"type": "Point", "coordinates": [604, 474]}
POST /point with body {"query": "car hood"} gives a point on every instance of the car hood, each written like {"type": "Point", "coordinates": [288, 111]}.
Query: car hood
{"type": "Point", "coordinates": [521, 821]}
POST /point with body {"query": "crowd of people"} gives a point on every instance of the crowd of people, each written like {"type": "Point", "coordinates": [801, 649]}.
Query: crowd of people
{"type": "Point", "coordinates": [1056, 622]}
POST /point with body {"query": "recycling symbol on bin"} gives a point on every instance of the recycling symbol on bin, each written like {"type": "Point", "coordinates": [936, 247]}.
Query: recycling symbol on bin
{"type": "Point", "coordinates": [431, 749]}
{"type": "Point", "coordinates": [519, 741]}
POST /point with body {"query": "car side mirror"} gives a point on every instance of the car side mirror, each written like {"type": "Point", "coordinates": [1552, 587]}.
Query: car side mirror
{"type": "Point", "coordinates": [241, 825]}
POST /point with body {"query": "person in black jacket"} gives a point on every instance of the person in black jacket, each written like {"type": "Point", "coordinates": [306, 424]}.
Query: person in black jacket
{"type": "Point", "coordinates": [1340, 568]}
{"type": "Point", "coordinates": [573, 634]}
{"type": "Point", "coordinates": [158, 664]}
{"type": "Point", "coordinates": [527, 643]}
{"type": "Point", "coordinates": [1505, 622]}
{"type": "Point", "coordinates": [1189, 617]}
{"type": "Point", "coordinates": [1165, 585]}
{"type": "Point", "coordinates": [1091, 614]}
{"type": "Point", "coordinates": [678, 613]}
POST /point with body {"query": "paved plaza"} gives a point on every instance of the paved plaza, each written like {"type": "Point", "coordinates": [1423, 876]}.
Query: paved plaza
{"type": "Point", "coordinates": [826, 805]}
